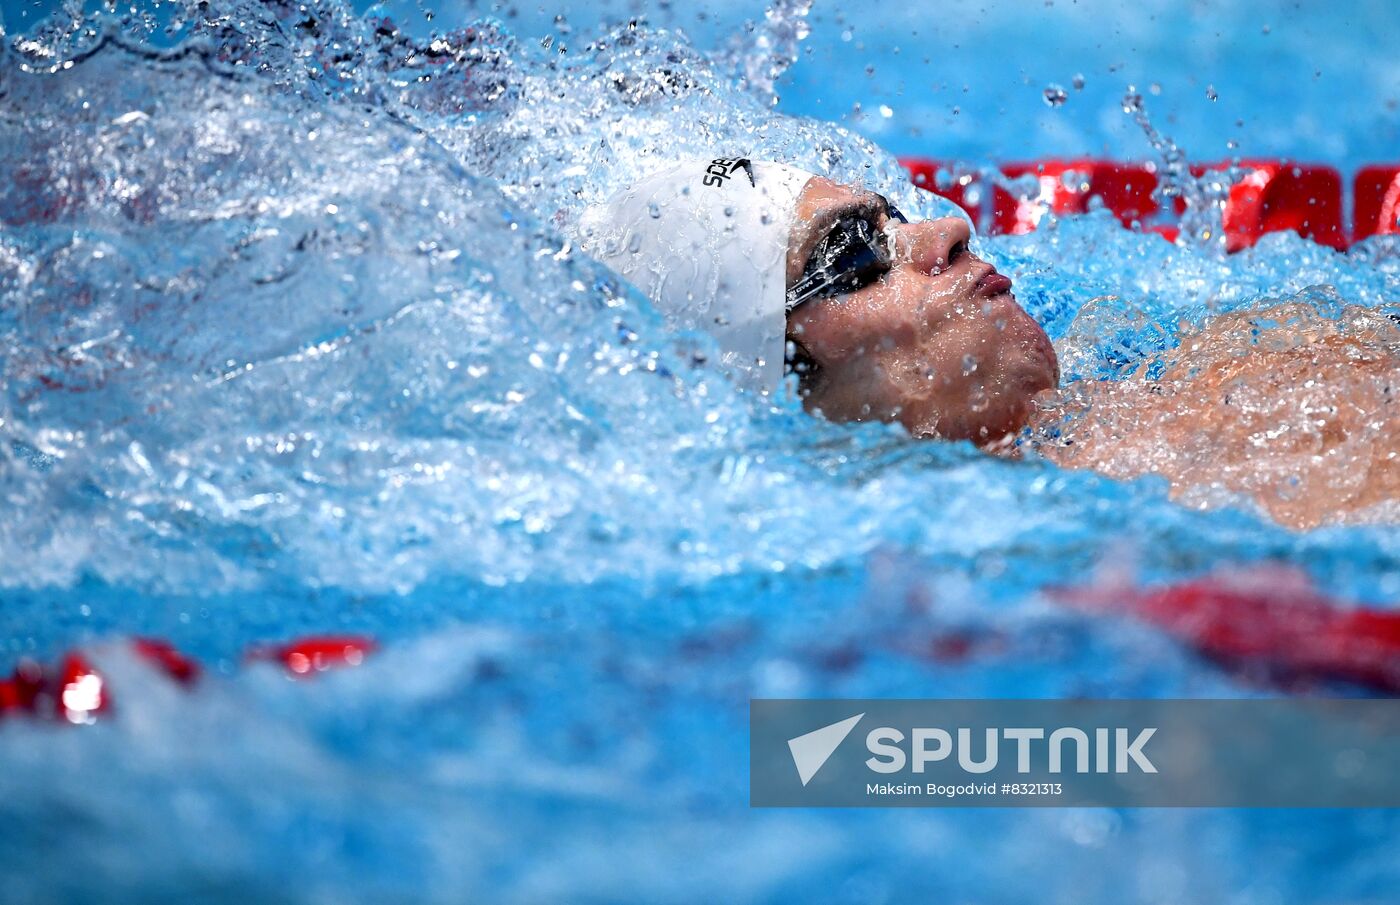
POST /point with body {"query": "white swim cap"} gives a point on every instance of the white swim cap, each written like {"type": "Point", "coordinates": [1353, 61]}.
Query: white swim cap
{"type": "Point", "coordinates": [707, 242]}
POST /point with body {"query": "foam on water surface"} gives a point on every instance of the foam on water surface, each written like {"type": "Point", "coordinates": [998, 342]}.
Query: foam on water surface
{"type": "Point", "coordinates": [294, 339]}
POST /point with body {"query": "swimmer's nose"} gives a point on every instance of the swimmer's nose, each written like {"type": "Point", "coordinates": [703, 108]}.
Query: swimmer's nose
{"type": "Point", "coordinates": [933, 245]}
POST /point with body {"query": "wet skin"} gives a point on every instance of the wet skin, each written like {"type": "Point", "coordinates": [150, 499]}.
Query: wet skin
{"type": "Point", "coordinates": [1289, 406]}
{"type": "Point", "coordinates": [938, 343]}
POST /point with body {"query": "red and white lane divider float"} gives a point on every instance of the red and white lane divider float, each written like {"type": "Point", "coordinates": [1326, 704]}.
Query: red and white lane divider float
{"type": "Point", "coordinates": [1262, 626]}
{"type": "Point", "coordinates": [1271, 196]}
{"type": "Point", "coordinates": [74, 691]}
{"type": "Point", "coordinates": [1271, 626]}
{"type": "Point", "coordinates": [308, 656]}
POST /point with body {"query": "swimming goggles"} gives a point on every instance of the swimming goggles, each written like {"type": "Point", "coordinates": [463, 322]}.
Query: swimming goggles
{"type": "Point", "coordinates": [852, 256]}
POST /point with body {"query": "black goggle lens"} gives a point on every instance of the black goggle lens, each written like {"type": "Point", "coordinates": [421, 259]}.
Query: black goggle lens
{"type": "Point", "coordinates": [852, 256]}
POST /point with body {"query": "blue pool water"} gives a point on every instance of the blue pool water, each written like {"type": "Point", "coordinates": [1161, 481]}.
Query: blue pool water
{"type": "Point", "coordinates": [293, 343]}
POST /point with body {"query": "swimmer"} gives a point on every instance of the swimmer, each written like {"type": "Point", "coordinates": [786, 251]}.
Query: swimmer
{"type": "Point", "coordinates": [881, 319]}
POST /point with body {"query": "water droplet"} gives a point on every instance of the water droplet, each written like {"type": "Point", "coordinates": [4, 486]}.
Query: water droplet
{"type": "Point", "coordinates": [655, 210]}
{"type": "Point", "coordinates": [1055, 96]}
{"type": "Point", "coordinates": [969, 364]}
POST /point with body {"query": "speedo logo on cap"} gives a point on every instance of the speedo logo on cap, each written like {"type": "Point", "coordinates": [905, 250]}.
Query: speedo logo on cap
{"type": "Point", "coordinates": [722, 169]}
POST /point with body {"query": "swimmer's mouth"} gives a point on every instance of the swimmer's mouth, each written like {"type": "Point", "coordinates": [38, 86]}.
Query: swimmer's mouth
{"type": "Point", "coordinates": [992, 284]}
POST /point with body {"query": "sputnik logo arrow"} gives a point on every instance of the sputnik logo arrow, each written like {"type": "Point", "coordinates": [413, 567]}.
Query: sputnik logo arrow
{"type": "Point", "coordinates": [811, 751]}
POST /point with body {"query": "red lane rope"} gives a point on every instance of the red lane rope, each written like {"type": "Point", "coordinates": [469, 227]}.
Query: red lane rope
{"type": "Point", "coordinates": [74, 691]}
{"type": "Point", "coordinates": [1283, 632]}
{"type": "Point", "coordinates": [1272, 196]}
{"type": "Point", "coordinates": [307, 656]}
{"type": "Point", "coordinates": [1272, 630]}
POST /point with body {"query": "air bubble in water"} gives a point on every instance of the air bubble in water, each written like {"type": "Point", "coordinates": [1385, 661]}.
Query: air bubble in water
{"type": "Point", "coordinates": [1211, 93]}
{"type": "Point", "coordinates": [1055, 96]}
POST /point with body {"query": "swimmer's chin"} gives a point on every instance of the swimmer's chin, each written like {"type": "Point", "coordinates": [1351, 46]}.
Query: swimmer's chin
{"type": "Point", "coordinates": [1036, 370]}
{"type": "Point", "coordinates": [987, 430]}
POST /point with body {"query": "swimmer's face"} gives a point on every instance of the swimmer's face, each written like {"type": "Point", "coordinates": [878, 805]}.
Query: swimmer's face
{"type": "Point", "coordinates": [937, 343]}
